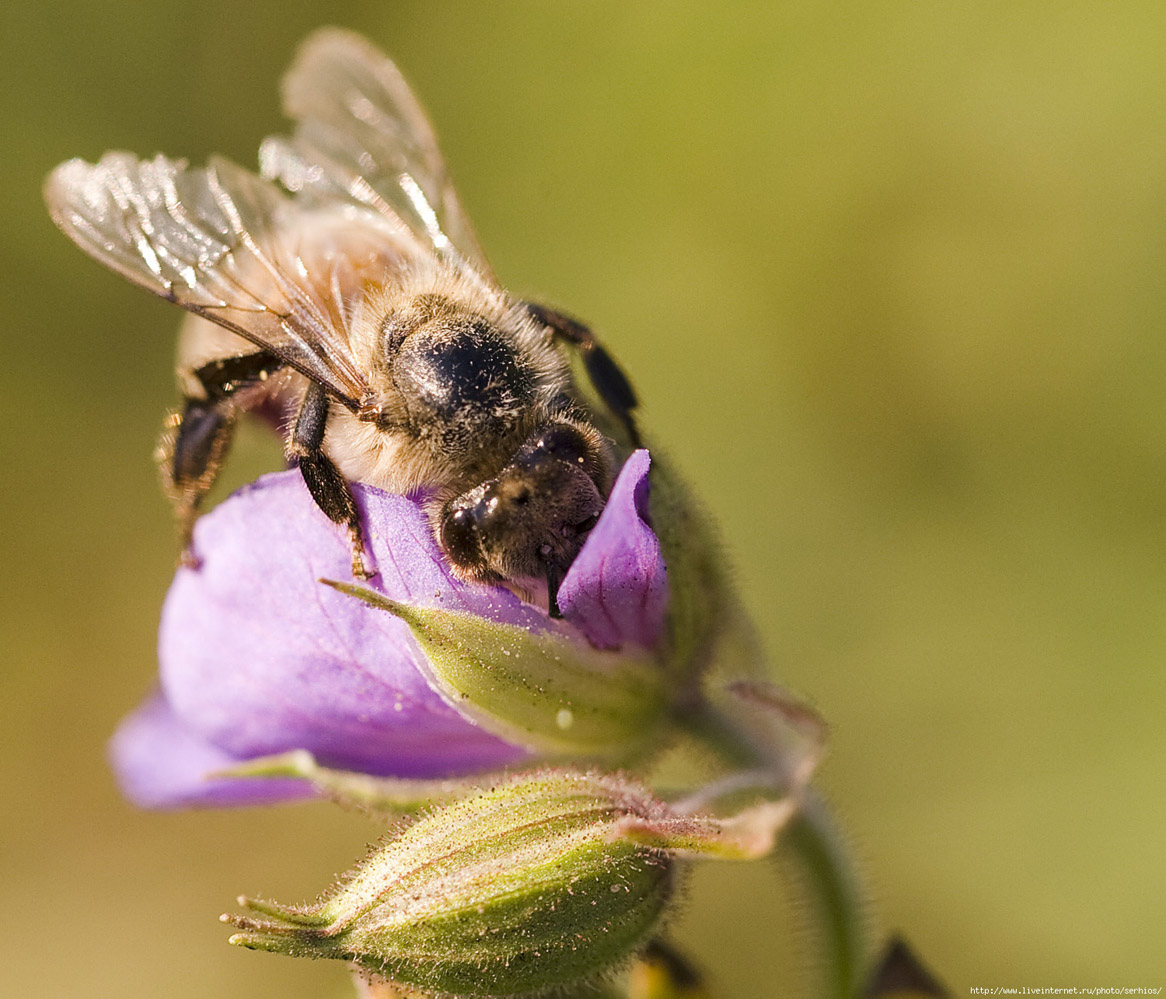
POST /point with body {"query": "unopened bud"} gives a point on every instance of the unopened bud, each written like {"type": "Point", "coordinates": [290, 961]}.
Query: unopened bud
{"type": "Point", "coordinates": [538, 884]}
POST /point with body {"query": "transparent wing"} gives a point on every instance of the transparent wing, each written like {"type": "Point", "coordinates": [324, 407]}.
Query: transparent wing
{"type": "Point", "coordinates": [360, 134]}
{"type": "Point", "coordinates": [222, 243]}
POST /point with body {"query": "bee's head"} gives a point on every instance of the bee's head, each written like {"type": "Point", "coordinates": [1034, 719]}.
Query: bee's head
{"type": "Point", "coordinates": [530, 520]}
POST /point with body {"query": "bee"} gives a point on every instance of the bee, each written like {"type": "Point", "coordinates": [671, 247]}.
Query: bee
{"type": "Point", "coordinates": [343, 290]}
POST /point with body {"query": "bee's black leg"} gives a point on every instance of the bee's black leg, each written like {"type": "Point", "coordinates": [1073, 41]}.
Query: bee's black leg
{"type": "Point", "coordinates": [190, 453]}
{"type": "Point", "coordinates": [324, 481]}
{"type": "Point", "coordinates": [609, 380]}
{"type": "Point", "coordinates": [224, 377]}
{"type": "Point", "coordinates": [554, 581]}
{"type": "Point", "coordinates": [195, 440]}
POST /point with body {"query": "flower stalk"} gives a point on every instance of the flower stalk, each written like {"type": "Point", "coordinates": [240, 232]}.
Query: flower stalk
{"type": "Point", "coordinates": [811, 845]}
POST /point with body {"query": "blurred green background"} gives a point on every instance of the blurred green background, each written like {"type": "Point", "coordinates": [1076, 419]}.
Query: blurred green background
{"type": "Point", "coordinates": [889, 277]}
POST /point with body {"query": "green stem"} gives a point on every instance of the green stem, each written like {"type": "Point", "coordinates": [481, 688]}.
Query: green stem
{"type": "Point", "coordinates": [828, 878]}
{"type": "Point", "coordinates": [814, 844]}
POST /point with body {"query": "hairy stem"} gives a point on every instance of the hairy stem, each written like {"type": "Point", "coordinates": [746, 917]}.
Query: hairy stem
{"type": "Point", "coordinates": [814, 846]}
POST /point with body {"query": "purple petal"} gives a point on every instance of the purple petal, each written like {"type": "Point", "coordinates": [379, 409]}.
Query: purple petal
{"type": "Point", "coordinates": [616, 591]}
{"type": "Point", "coordinates": [160, 763]}
{"type": "Point", "coordinates": [258, 657]}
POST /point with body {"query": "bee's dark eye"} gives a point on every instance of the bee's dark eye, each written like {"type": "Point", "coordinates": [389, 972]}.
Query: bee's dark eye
{"type": "Point", "coordinates": [459, 537]}
{"type": "Point", "coordinates": [563, 442]}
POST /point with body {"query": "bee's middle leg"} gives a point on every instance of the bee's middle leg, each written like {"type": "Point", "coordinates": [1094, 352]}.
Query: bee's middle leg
{"type": "Point", "coordinates": [328, 487]}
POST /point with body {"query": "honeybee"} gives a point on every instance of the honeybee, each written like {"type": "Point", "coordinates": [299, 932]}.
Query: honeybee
{"type": "Point", "coordinates": [343, 288]}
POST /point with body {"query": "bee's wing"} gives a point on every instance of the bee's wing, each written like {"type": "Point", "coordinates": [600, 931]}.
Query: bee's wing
{"type": "Point", "coordinates": [214, 240]}
{"type": "Point", "coordinates": [361, 135]}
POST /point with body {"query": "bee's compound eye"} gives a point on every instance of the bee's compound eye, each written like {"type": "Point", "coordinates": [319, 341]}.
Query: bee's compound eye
{"type": "Point", "coordinates": [459, 537]}
{"type": "Point", "coordinates": [563, 442]}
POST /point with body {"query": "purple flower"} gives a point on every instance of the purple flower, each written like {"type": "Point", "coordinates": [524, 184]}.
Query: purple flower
{"type": "Point", "coordinates": [258, 657]}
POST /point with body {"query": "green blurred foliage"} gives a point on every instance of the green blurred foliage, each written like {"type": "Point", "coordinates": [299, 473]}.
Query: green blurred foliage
{"type": "Point", "coordinates": [888, 278]}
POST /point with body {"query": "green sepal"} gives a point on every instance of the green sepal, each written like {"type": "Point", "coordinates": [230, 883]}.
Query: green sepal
{"type": "Point", "coordinates": [547, 691]}
{"type": "Point", "coordinates": [385, 795]}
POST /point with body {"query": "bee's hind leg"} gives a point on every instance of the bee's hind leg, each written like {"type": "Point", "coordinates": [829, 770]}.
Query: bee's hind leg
{"type": "Point", "coordinates": [608, 378]}
{"type": "Point", "coordinates": [323, 479]}
{"type": "Point", "coordinates": [195, 440]}
{"type": "Point", "coordinates": [189, 454]}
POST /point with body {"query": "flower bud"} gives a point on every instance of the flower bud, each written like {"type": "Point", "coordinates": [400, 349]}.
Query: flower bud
{"type": "Point", "coordinates": [537, 884]}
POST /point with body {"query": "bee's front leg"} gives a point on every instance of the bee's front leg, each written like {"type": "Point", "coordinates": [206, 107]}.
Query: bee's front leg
{"type": "Point", "coordinates": [608, 378]}
{"type": "Point", "coordinates": [195, 439]}
{"type": "Point", "coordinates": [323, 479]}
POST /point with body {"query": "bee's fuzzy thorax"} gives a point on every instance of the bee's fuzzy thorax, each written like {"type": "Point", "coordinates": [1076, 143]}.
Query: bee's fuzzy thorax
{"type": "Point", "coordinates": [414, 448]}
